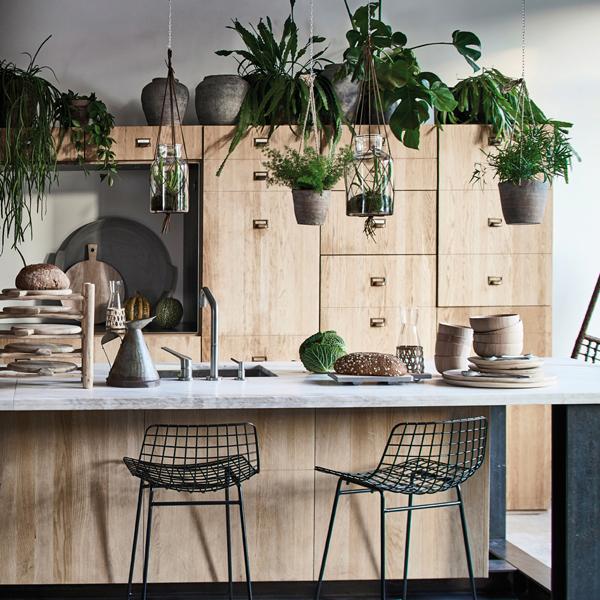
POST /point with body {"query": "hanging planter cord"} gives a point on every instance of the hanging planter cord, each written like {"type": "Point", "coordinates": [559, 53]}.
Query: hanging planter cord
{"type": "Point", "coordinates": [309, 80]}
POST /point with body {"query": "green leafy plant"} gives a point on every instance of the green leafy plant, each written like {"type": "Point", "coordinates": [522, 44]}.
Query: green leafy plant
{"type": "Point", "coordinates": [319, 352]}
{"type": "Point", "coordinates": [401, 82]}
{"type": "Point", "coordinates": [27, 150]}
{"type": "Point", "coordinates": [169, 179]}
{"type": "Point", "coordinates": [89, 122]}
{"type": "Point", "coordinates": [306, 170]}
{"type": "Point", "coordinates": [278, 93]}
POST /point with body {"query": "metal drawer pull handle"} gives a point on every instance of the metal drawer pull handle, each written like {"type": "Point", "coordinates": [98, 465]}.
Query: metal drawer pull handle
{"type": "Point", "coordinates": [259, 358]}
{"type": "Point", "coordinates": [494, 280]}
{"type": "Point", "coordinates": [495, 222]}
{"type": "Point", "coordinates": [378, 281]}
{"type": "Point", "coordinates": [142, 142]}
{"type": "Point", "coordinates": [260, 141]}
{"type": "Point", "coordinates": [260, 175]}
{"type": "Point", "coordinates": [260, 223]}
{"type": "Point", "coordinates": [379, 223]}
{"type": "Point", "coordinates": [377, 322]}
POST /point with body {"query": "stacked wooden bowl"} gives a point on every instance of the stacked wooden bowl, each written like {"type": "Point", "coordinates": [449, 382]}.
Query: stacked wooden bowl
{"type": "Point", "coordinates": [452, 347]}
{"type": "Point", "coordinates": [497, 335]}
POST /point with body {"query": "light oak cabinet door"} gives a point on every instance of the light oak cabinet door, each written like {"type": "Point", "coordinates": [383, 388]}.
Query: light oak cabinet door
{"type": "Point", "coordinates": [410, 230]}
{"type": "Point", "coordinates": [257, 348]}
{"type": "Point", "coordinates": [471, 222]}
{"type": "Point", "coordinates": [495, 280]}
{"type": "Point", "coordinates": [239, 175]}
{"type": "Point", "coordinates": [261, 266]}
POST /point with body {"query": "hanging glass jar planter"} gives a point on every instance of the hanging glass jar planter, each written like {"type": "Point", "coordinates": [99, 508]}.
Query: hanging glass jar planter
{"type": "Point", "coordinates": [169, 191]}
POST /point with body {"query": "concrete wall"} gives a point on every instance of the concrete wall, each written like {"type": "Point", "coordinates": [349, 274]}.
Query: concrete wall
{"type": "Point", "coordinates": [115, 47]}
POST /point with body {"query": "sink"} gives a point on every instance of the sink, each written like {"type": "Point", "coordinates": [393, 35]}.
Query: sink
{"type": "Point", "coordinates": [226, 373]}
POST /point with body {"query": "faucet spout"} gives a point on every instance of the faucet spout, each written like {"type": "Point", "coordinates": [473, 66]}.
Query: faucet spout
{"type": "Point", "coordinates": [206, 296]}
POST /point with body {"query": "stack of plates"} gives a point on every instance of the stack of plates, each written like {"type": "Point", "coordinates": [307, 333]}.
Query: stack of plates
{"type": "Point", "coordinates": [501, 372]}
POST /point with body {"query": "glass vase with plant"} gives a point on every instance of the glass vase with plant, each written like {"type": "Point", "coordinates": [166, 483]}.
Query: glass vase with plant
{"type": "Point", "coordinates": [310, 176]}
{"type": "Point", "coordinates": [169, 181]}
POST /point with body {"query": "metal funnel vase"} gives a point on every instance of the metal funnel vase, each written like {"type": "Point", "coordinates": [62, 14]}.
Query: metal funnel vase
{"type": "Point", "coordinates": [133, 366]}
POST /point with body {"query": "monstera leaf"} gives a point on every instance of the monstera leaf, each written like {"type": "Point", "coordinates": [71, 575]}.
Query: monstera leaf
{"type": "Point", "coordinates": [469, 45]}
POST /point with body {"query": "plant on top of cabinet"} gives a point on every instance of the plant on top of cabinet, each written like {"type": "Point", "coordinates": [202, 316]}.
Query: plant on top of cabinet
{"type": "Point", "coordinates": [310, 175]}
{"type": "Point", "coordinates": [89, 123]}
{"type": "Point", "coordinates": [28, 153]}
{"type": "Point", "coordinates": [278, 93]}
{"type": "Point", "coordinates": [407, 91]}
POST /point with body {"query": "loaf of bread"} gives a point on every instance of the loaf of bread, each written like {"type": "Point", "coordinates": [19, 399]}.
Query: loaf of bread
{"type": "Point", "coordinates": [369, 363]}
{"type": "Point", "coordinates": [42, 276]}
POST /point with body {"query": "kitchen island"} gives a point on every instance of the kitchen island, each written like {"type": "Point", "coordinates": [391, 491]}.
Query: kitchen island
{"type": "Point", "coordinates": [69, 502]}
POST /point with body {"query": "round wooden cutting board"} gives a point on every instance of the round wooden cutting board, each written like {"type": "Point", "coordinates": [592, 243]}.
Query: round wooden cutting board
{"type": "Point", "coordinates": [97, 272]}
{"type": "Point", "coordinates": [42, 367]}
{"type": "Point", "coordinates": [455, 377]}
{"type": "Point", "coordinates": [38, 348]}
{"type": "Point", "coordinates": [45, 329]}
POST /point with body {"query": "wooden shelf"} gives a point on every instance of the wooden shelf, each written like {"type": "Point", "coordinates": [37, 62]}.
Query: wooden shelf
{"type": "Point", "coordinates": [63, 316]}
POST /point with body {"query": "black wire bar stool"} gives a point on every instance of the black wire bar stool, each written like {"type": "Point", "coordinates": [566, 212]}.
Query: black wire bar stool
{"type": "Point", "coordinates": [419, 458]}
{"type": "Point", "coordinates": [194, 458]}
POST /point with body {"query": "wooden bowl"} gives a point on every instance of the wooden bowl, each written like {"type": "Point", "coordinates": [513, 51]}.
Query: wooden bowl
{"type": "Point", "coordinates": [508, 335]}
{"type": "Point", "coordinates": [447, 363]}
{"type": "Point", "coordinates": [444, 337]}
{"type": "Point", "coordinates": [461, 349]}
{"type": "Point", "coordinates": [497, 349]}
{"type": "Point", "coordinates": [493, 322]}
{"type": "Point", "coordinates": [455, 330]}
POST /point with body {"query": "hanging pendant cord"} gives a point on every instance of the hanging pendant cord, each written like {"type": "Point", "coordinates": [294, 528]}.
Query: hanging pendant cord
{"type": "Point", "coordinates": [309, 80]}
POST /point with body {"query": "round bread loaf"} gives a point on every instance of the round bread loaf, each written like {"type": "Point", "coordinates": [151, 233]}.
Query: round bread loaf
{"type": "Point", "coordinates": [370, 363]}
{"type": "Point", "coordinates": [42, 276]}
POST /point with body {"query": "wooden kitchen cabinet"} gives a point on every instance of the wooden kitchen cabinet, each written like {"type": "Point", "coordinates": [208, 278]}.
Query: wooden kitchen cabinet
{"type": "Point", "coordinates": [246, 175]}
{"type": "Point", "coordinates": [257, 348]}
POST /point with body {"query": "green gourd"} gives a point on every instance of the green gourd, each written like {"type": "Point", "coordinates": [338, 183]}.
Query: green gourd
{"type": "Point", "coordinates": [169, 312]}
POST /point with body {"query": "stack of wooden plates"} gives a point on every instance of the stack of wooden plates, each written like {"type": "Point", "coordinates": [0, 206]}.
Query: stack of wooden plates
{"type": "Point", "coordinates": [501, 372]}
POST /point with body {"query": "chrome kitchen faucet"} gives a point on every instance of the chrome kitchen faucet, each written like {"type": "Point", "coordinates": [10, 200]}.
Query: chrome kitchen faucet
{"type": "Point", "coordinates": [206, 296]}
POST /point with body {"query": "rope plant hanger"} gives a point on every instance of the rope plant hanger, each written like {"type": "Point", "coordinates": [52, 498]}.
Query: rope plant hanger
{"type": "Point", "coordinates": [370, 176]}
{"type": "Point", "coordinates": [309, 80]}
{"type": "Point", "coordinates": [169, 175]}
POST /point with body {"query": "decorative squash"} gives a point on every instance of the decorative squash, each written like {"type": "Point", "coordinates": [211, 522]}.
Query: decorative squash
{"type": "Point", "coordinates": [169, 312]}
{"type": "Point", "coordinates": [137, 307]}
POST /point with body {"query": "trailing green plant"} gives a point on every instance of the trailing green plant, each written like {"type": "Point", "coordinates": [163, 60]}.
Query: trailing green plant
{"type": "Point", "coordinates": [278, 93]}
{"type": "Point", "coordinates": [27, 151]}
{"type": "Point", "coordinates": [400, 80]}
{"type": "Point", "coordinates": [90, 124]}
{"type": "Point", "coordinates": [307, 170]}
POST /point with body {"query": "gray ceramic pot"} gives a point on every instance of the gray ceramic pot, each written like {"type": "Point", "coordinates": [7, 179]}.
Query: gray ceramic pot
{"type": "Point", "coordinates": [152, 101]}
{"type": "Point", "coordinates": [219, 99]}
{"type": "Point", "coordinates": [310, 207]}
{"type": "Point", "coordinates": [524, 204]}
{"type": "Point", "coordinates": [346, 90]}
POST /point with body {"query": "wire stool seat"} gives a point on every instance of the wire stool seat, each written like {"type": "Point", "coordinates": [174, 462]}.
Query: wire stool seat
{"type": "Point", "coordinates": [194, 459]}
{"type": "Point", "coordinates": [419, 459]}
{"type": "Point", "coordinates": [588, 346]}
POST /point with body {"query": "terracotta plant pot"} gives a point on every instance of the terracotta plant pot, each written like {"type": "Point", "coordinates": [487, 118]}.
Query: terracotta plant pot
{"type": "Point", "coordinates": [152, 101]}
{"type": "Point", "coordinates": [219, 99]}
{"type": "Point", "coordinates": [79, 109]}
{"type": "Point", "coordinates": [524, 204]}
{"type": "Point", "coordinates": [310, 207]}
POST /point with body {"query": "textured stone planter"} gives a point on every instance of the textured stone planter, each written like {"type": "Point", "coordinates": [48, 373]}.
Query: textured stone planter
{"type": "Point", "coordinates": [524, 204]}
{"type": "Point", "coordinates": [219, 99]}
{"type": "Point", "coordinates": [345, 89]}
{"type": "Point", "coordinates": [310, 207]}
{"type": "Point", "coordinates": [152, 101]}
{"type": "Point", "coordinates": [79, 109]}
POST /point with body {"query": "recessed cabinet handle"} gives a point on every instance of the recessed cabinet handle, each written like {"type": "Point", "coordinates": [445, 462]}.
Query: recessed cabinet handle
{"type": "Point", "coordinates": [494, 222]}
{"type": "Point", "coordinates": [378, 281]}
{"type": "Point", "coordinates": [259, 358]}
{"type": "Point", "coordinates": [142, 142]}
{"type": "Point", "coordinates": [377, 322]}
{"type": "Point", "coordinates": [260, 223]}
{"type": "Point", "coordinates": [260, 175]}
{"type": "Point", "coordinates": [260, 141]}
{"type": "Point", "coordinates": [379, 223]}
{"type": "Point", "coordinates": [495, 280]}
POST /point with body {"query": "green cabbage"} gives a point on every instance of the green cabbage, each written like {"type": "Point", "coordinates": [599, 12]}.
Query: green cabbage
{"type": "Point", "coordinates": [321, 350]}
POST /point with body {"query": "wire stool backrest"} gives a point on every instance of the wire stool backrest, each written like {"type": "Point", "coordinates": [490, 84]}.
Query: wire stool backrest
{"type": "Point", "coordinates": [586, 345]}
{"type": "Point", "coordinates": [198, 444]}
{"type": "Point", "coordinates": [445, 453]}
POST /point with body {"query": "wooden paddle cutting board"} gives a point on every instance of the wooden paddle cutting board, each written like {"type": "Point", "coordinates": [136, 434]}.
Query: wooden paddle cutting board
{"type": "Point", "coordinates": [97, 272]}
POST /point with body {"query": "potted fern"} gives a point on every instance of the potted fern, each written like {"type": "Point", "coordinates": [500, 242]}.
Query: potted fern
{"type": "Point", "coordinates": [310, 175]}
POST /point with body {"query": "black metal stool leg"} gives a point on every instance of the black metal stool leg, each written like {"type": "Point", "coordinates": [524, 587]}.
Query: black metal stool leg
{"type": "Point", "coordinates": [245, 543]}
{"type": "Point", "coordinates": [465, 530]}
{"type": "Point", "coordinates": [136, 531]}
{"type": "Point", "coordinates": [328, 539]}
{"type": "Point", "coordinates": [228, 526]}
{"type": "Point", "coordinates": [147, 547]}
{"type": "Point", "coordinates": [382, 558]}
{"type": "Point", "coordinates": [407, 547]}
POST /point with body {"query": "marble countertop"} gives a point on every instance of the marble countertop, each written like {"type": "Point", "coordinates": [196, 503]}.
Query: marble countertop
{"type": "Point", "coordinates": [578, 383]}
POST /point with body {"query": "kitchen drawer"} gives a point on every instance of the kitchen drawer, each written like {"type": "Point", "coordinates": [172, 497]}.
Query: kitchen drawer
{"type": "Point", "coordinates": [377, 281]}
{"type": "Point", "coordinates": [261, 266]}
{"type": "Point", "coordinates": [240, 175]}
{"type": "Point", "coordinates": [137, 144]}
{"type": "Point", "coordinates": [410, 230]}
{"type": "Point", "coordinates": [495, 279]}
{"type": "Point", "coordinates": [461, 147]}
{"type": "Point", "coordinates": [471, 222]}
{"type": "Point", "coordinates": [217, 139]}
{"type": "Point", "coordinates": [257, 348]}
{"type": "Point", "coordinates": [537, 323]}
{"type": "Point", "coordinates": [377, 329]}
